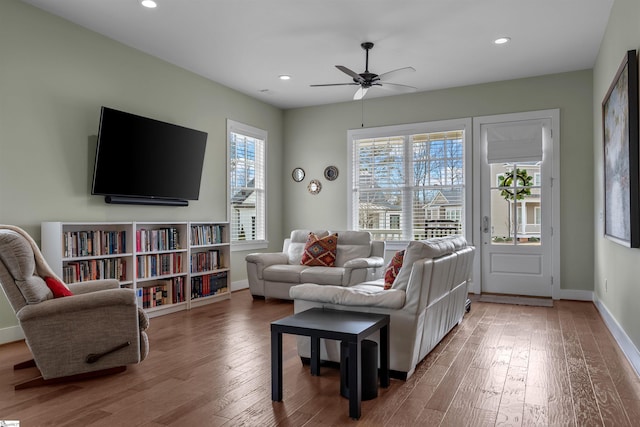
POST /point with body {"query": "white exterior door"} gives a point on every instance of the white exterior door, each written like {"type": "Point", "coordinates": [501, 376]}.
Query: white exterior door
{"type": "Point", "coordinates": [518, 202]}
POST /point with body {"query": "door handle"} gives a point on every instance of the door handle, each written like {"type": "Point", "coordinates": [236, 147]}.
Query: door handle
{"type": "Point", "coordinates": [485, 224]}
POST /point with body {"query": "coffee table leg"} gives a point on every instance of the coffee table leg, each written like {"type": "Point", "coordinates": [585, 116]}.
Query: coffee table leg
{"type": "Point", "coordinates": [315, 355]}
{"type": "Point", "coordinates": [355, 379]}
{"type": "Point", "coordinates": [384, 356]}
{"type": "Point", "coordinates": [276, 366]}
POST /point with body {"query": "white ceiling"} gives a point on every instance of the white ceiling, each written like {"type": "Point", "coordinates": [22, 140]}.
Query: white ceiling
{"type": "Point", "coordinates": [247, 44]}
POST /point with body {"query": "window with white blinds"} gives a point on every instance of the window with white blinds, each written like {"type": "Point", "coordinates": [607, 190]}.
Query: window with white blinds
{"type": "Point", "coordinates": [247, 187]}
{"type": "Point", "coordinates": [409, 182]}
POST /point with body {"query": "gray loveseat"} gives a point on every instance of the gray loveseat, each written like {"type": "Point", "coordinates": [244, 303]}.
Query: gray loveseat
{"type": "Point", "coordinates": [358, 259]}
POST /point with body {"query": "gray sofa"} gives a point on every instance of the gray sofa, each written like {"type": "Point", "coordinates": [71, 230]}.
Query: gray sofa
{"type": "Point", "coordinates": [358, 259]}
{"type": "Point", "coordinates": [426, 301]}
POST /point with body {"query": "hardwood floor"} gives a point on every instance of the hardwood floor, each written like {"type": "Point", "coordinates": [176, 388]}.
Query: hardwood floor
{"type": "Point", "coordinates": [504, 365]}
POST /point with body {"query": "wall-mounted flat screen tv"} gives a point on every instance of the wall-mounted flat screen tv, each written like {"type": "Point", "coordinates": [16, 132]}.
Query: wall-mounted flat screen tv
{"type": "Point", "coordinates": [145, 161]}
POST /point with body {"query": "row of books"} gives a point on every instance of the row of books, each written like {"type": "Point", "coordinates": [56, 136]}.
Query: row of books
{"type": "Point", "coordinates": [94, 243]}
{"type": "Point", "coordinates": [211, 284]}
{"type": "Point", "coordinates": [205, 261]}
{"type": "Point", "coordinates": [206, 234]}
{"type": "Point", "coordinates": [163, 239]}
{"type": "Point", "coordinates": [81, 271]}
{"type": "Point", "coordinates": [158, 265]}
{"type": "Point", "coordinates": [161, 292]}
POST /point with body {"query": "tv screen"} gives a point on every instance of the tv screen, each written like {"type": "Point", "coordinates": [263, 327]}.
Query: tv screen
{"type": "Point", "coordinates": [143, 158]}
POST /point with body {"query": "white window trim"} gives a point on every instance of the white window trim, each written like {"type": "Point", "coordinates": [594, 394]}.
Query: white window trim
{"type": "Point", "coordinates": [237, 127]}
{"type": "Point", "coordinates": [416, 128]}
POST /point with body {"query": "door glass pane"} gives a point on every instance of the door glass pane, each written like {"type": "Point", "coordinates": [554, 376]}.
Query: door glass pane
{"type": "Point", "coordinates": [516, 215]}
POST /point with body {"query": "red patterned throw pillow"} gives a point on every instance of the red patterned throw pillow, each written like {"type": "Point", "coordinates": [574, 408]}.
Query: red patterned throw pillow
{"type": "Point", "coordinates": [57, 287]}
{"type": "Point", "coordinates": [392, 269]}
{"type": "Point", "coordinates": [320, 251]}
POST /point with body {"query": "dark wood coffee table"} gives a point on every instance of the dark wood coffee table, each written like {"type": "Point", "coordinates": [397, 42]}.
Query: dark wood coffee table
{"type": "Point", "coordinates": [349, 326]}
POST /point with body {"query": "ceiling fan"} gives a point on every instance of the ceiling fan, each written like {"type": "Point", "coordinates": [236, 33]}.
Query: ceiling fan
{"type": "Point", "coordinates": [367, 80]}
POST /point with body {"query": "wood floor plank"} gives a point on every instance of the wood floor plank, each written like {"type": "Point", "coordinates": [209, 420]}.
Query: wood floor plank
{"type": "Point", "coordinates": [503, 365]}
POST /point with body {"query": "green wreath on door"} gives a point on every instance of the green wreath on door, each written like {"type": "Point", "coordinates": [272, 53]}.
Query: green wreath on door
{"type": "Point", "coordinates": [524, 182]}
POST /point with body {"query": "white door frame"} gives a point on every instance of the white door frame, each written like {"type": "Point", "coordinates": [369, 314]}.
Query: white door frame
{"type": "Point", "coordinates": [554, 167]}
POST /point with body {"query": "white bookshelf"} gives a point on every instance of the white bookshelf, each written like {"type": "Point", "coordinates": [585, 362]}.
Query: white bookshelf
{"type": "Point", "coordinates": [153, 258]}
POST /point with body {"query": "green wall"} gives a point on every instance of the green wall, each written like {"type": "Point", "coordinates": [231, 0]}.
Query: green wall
{"type": "Point", "coordinates": [55, 76]}
{"type": "Point", "coordinates": [316, 137]}
{"type": "Point", "coordinates": [615, 264]}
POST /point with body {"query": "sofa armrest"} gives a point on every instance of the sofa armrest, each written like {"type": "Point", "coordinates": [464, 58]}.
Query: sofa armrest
{"type": "Point", "coordinates": [93, 286]}
{"type": "Point", "coordinates": [99, 301]}
{"type": "Point", "coordinates": [371, 262]}
{"type": "Point", "coordinates": [268, 258]}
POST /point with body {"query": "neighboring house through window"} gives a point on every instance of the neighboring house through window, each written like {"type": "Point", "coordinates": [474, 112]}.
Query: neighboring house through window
{"type": "Point", "coordinates": [247, 186]}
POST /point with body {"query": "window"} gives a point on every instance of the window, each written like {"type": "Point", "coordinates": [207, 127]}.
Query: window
{"type": "Point", "coordinates": [247, 186]}
{"type": "Point", "coordinates": [414, 172]}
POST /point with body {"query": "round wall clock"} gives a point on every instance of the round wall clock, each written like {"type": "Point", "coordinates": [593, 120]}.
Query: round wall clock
{"type": "Point", "coordinates": [314, 186]}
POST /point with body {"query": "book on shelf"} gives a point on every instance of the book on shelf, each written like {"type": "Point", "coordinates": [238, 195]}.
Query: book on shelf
{"type": "Point", "coordinates": [205, 261]}
{"type": "Point", "coordinates": [106, 268]}
{"type": "Point", "coordinates": [208, 285]}
{"type": "Point", "coordinates": [158, 265]}
{"type": "Point", "coordinates": [161, 292]}
{"type": "Point", "coordinates": [206, 234]}
{"type": "Point", "coordinates": [93, 243]}
{"type": "Point", "coordinates": [153, 240]}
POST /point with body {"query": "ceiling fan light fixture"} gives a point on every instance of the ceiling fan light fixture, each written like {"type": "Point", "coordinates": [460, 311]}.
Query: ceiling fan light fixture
{"type": "Point", "coordinates": [502, 40]}
{"type": "Point", "coordinates": [149, 4]}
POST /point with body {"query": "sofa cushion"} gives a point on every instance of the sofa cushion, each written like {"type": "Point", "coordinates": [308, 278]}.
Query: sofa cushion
{"type": "Point", "coordinates": [283, 273]}
{"type": "Point", "coordinates": [352, 245]}
{"type": "Point", "coordinates": [392, 269]}
{"type": "Point", "coordinates": [431, 248]}
{"type": "Point", "coordinates": [322, 275]}
{"type": "Point", "coordinates": [356, 296]}
{"type": "Point", "coordinates": [297, 242]}
{"type": "Point", "coordinates": [320, 251]}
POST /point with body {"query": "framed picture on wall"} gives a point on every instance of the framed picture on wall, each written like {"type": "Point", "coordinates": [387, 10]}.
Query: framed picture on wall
{"type": "Point", "coordinates": [620, 140]}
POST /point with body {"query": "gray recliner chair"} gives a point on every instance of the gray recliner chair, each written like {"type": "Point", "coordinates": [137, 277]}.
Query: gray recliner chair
{"type": "Point", "coordinates": [96, 331]}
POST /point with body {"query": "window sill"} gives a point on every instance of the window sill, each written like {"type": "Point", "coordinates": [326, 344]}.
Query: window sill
{"type": "Point", "coordinates": [249, 245]}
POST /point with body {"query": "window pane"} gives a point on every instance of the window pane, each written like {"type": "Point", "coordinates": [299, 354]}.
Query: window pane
{"type": "Point", "coordinates": [380, 212]}
{"type": "Point", "coordinates": [246, 177]}
{"type": "Point", "coordinates": [515, 204]}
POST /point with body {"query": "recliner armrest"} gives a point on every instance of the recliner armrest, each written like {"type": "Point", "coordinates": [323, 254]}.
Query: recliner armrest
{"type": "Point", "coordinates": [371, 262]}
{"type": "Point", "coordinates": [75, 303]}
{"type": "Point", "coordinates": [93, 286]}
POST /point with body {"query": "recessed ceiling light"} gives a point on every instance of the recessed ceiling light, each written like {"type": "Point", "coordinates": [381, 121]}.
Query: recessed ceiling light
{"type": "Point", "coordinates": [502, 40]}
{"type": "Point", "coordinates": [284, 77]}
{"type": "Point", "coordinates": [149, 4]}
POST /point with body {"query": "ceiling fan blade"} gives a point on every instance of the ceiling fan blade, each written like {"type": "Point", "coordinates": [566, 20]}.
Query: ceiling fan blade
{"type": "Point", "coordinates": [335, 84]}
{"type": "Point", "coordinates": [357, 77]}
{"type": "Point", "coordinates": [397, 87]}
{"type": "Point", "coordinates": [395, 73]}
{"type": "Point", "coordinates": [360, 93]}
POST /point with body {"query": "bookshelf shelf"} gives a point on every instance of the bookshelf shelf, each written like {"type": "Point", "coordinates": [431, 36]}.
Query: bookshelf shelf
{"type": "Point", "coordinates": [172, 266]}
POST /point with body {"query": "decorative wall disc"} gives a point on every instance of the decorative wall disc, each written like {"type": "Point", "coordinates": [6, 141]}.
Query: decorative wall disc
{"type": "Point", "coordinates": [331, 173]}
{"type": "Point", "coordinates": [314, 186]}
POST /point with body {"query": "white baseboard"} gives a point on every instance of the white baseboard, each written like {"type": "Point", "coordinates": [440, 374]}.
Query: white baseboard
{"type": "Point", "coordinates": [11, 334]}
{"type": "Point", "coordinates": [575, 295]}
{"type": "Point", "coordinates": [240, 284]}
{"type": "Point", "coordinates": [621, 337]}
